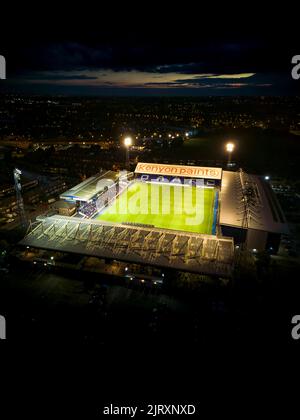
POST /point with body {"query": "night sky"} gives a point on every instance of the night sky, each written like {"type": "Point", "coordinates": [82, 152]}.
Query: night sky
{"type": "Point", "coordinates": [82, 50]}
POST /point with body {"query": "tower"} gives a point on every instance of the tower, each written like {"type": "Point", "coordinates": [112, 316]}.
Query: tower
{"type": "Point", "coordinates": [20, 203]}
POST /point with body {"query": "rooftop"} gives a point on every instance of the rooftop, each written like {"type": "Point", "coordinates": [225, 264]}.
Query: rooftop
{"type": "Point", "coordinates": [90, 187]}
{"type": "Point", "coordinates": [262, 211]}
{"type": "Point", "coordinates": [196, 253]}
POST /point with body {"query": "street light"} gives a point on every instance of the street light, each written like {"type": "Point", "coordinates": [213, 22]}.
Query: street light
{"type": "Point", "coordinates": [229, 149]}
{"type": "Point", "coordinates": [127, 144]}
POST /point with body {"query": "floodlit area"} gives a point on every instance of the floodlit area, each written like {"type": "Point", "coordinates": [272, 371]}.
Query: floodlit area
{"type": "Point", "coordinates": [183, 208]}
{"type": "Point", "coordinates": [158, 218]}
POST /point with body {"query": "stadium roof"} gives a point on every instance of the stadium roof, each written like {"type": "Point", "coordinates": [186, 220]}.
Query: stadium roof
{"type": "Point", "coordinates": [197, 253]}
{"type": "Point", "coordinates": [179, 170]}
{"type": "Point", "coordinates": [263, 211]}
{"type": "Point", "coordinates": [90, 187]}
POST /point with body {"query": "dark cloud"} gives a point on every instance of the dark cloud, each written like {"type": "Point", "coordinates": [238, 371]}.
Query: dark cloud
{"type": "Point", "coordinates": [193, 43]}
{"type": "Point", "coordinates": [54, 77]}
{"type": "Point", "coordinates": [216, 57]}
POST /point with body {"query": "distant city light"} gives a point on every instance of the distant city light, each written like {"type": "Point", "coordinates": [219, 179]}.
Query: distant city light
{"type": "Point", "coordinates": [187, 134]}
{"type": "Point", "coordinates": [128, 141]}
{"type": "Point", "coordinates": [126, 268]}
{"type": "Point", "coordinates": [169, 135]}
{"type": "Point", "coordinates": [254, 250]}
{"type": "Point", "coordinates": [267, 177]}
{"type": "Point", "coordinates": [52, 258]}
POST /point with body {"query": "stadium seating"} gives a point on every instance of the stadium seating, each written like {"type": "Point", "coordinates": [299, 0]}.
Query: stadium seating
{"type": "Point", "coordinates": [88, 209]}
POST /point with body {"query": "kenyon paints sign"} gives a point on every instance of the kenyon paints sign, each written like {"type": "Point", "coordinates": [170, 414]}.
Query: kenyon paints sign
{"type": "Point", "coordinates": [185, 171]}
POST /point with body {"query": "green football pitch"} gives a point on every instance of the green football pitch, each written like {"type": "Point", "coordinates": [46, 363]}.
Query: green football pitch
{"type": "Point", "coordinates": [164, 206]}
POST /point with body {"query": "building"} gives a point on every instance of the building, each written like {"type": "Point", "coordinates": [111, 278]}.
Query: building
{"type": "Point", "coordinates": [65, 208]}
{"type": "Point", "coordinates": [250, 212]}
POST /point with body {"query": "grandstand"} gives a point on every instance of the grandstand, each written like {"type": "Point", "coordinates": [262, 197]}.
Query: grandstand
{"type": "Point", "coordinates": [163, 248]}
{"type": "Point", "coordinates": [250, 212]}
{"type": "Point", "coordinates": [88, 210]}
{"type": "Point", "coordinates": [91, 187]}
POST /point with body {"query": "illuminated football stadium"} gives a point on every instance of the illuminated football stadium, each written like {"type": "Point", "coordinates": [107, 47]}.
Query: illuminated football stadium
{"type": "Point", "coordinates": [171, 197]}
{"type": "Point", "coordinates": [178, 217]}
{"type": "Point", "coordinates": [166, 201]}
